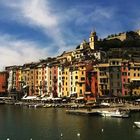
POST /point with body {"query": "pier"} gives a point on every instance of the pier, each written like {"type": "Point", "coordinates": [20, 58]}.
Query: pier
{"type": "Point", "coordinates": [94, 111]}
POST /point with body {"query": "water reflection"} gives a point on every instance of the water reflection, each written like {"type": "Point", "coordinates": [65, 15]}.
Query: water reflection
{"type": "Point", "coordinates": [55, 124]}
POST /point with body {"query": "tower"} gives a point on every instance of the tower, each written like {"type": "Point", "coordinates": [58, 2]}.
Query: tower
{"type": "Point", "coordinates": [92, 40]}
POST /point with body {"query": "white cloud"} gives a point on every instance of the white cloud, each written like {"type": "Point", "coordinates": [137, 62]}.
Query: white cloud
{"type": "Point", "coordinates": [17, 52]}
{"type": "Point", "coordinates": [37, 14]}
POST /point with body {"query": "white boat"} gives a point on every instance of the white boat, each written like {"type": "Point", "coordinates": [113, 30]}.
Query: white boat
{"type": "Point", "coordinates": [137, 124]}
{"type": "Point", "coordinates": [104, 113]}
{"type": "Point", "coordinates": [116, 113]}
{"type": "Point", "coordinates": [120, 114]}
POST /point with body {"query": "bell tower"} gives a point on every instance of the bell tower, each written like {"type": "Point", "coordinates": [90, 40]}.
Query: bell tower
{"type": "Point", "coordinates": [92, 40]}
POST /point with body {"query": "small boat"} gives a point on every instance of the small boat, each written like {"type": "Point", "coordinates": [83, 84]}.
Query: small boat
{"type": "Point", "coordinates": [104, 113]}
{"type": "Point", "coordinates": [137, 124]}
{"type": "Point", "coordinates": [120, 114]}
{"type": "Point", "coordinates": [116, 113]}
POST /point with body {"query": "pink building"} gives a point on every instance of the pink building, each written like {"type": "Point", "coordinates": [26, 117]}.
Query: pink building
{"type": "Point", "coordinates": [125, 77]}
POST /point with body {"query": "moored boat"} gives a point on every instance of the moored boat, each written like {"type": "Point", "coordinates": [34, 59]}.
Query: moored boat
{"type": "Point", "coordinates": [104, 113]}
{"type": "Point", "coordinates": [120, 114]}
{"type": "Point", "coordinates": [137, 124]}
{"type": "Point", "coordinates": [116, 113]}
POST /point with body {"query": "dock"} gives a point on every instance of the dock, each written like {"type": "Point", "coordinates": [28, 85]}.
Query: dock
{"type": "Point", "coordinates": [96, 110]}
{"type": "Point", "coordinates": [81, 112]}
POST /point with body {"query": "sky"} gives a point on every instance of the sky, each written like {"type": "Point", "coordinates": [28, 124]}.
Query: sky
{"type": "Point", "coordinates": [31, 30]}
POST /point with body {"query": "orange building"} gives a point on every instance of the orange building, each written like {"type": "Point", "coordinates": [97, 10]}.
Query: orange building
{"type": "Point", "coordinates": [91, 85]}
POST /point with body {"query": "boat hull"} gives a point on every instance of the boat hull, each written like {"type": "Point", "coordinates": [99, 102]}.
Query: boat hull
{"type": "Point", "coordinates": [137, 124]}
{"type": "Point", "coordinates": [116, 114]}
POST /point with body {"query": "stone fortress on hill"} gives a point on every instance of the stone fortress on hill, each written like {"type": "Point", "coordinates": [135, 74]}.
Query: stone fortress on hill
{"type": "Point", "coordinates": [95, 68]}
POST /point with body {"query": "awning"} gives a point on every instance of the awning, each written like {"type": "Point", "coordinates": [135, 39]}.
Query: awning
{"type": "Point", "coordinates": [73, 93]}
{"type": "Point", "coordinates": [46, 98]}
{"type": "Point", "coordinates": [29, 97]}
{"type": "Point", "coordinates": [87, 92]}
{"type": "Point", "coordinates": [135, 79]}
{"type": "Point", "coordinates": [80, 98]}
{"type": "Point", "coordinates": [55, 99]}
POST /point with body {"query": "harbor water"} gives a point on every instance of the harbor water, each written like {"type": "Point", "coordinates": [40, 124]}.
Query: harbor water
{"type": "Point", "coordinates": [22, 123]}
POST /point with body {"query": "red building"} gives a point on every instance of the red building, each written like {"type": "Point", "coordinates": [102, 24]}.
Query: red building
{"type": "Point", "coordinates": [91, 84]}
{"type": "Point", "coordinates": [54, 70]}
{"type": "Point", "coordinates": [3, 82]}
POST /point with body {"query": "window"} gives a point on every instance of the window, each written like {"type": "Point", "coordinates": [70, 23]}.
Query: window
{"type": "Point", "coordinates": [111, 75]}
{"type": "Point", "coordinates": [118, 75]}
{"type": "Point", "coordinates": [125, 92]}
{"type": "Point", "coordinates": [124, 73]}
{"type": "Point", "coordinates": [76, 77]}
{"type": "Point", "coordinates": [118, 83]}
{"type": "Point", "coordinates": [80, 91]}
{"type": "Point", "coordinates": [82, 78]}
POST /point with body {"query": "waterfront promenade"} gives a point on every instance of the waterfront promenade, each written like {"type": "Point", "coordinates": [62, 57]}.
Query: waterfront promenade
{"type": "Point", "coordinates": [83, 109]}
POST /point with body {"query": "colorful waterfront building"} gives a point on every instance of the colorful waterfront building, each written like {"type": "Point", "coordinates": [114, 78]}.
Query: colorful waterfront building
{"type": "Point", "coordinates": [3, 82]}
{"type": "Point", "coordinates": [54, 79]}
{"type": "Point", "coordinates": [125, 76]}
{"type": "Point", "coordinates": [103, 72]}
{"type": "Point", "coordinates": [78, 80]}
{"type": "Point", "coordinates": [64, 78]}
{"type": "Point", "coordinates": [115, 76]}
{"type": "Point", "coordinates": [26, 77]}
{"type": "Point", "coordinates": [59, 82]}
{"type": "Point", "coordinates": [134, 72]}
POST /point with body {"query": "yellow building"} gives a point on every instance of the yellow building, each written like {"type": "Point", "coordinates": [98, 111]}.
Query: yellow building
{"type": "Point", "coordinates": [63, 84]}
{"type": "Point", "coordinates": [77, 79]}
{"type": "Point", "coordinates": [134, 76]}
